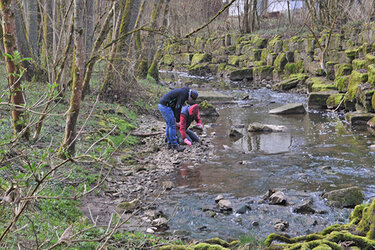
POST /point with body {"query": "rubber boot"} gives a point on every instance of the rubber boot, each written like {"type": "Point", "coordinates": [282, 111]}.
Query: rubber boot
{"type": "Point", "coordinates": [178, 148]}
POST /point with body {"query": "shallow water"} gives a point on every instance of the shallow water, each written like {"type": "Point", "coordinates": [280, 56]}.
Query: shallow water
{"type": "Point", "coordinates": [317, 153]}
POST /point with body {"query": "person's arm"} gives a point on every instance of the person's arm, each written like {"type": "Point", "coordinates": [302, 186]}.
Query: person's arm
{"type": "Point", "coordinates": [183, 126]}
{"type": "Point", "coordinates": [181, 98]}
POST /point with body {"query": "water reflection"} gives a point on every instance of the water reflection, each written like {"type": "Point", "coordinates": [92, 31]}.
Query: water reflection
{"type": "Point", "coordinates": [271, 143]}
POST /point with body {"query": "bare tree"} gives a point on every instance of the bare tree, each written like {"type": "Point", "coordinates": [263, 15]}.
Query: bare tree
{"type": "Point", "coordinates": [13, 63]}
{"type": "Point", "coordinates": [68, 144]}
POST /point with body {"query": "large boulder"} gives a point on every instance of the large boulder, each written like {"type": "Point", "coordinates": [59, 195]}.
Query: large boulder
{"type": "Point", "coordinates": [344, 198]}
{"type": "Point", "coordinates": [207, 109]}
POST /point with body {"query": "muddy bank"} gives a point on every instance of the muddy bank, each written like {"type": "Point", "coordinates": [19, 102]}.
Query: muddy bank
{"type": "Point", "coordinates": [141, 176]}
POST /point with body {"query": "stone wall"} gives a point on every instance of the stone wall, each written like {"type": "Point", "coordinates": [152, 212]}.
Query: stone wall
{"type": "Point", "coordinates": [345, 80]}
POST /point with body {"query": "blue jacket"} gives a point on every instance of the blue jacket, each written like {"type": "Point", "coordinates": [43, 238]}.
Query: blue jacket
{"type": "Point", "coordinates": [175, 99]}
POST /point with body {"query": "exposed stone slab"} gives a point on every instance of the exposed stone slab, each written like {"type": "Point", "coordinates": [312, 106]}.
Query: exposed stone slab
{"type": "Point", "coordinates": [259, 127]}
{"type": "Point", "coordinates": [292, 108]}
{"type": "Point", "coordinates": [357, 118]}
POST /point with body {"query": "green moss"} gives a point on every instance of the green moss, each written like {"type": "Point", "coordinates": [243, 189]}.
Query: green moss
{"type": "Point", "coordinates": [264, 54]}
{"type": "Point", "coordinates": [221, 67]}
{"type": "Point", "coordinates": [359, 64]}
{"type": "Point", "coordinates": [356, 215]}
{"type": "Point", "coordinates": [260, 42]}
{"type": "Point", "coordinates": [273, 41]}
{"type": "Point", "coordinates": [299, 76]}
{"type": "Point", "coordinates": [167, 59]}
{"type": "Point", "coordinates": [291, 68]}
{"type": "Point", "coordinates": [259, 63]}
{"type": "Point", "coordinates": [177, 247]}
{"type": "Point", "coordinates": [200, 58]}
{"type": "Point", "coordinates": [370, 59]}
{"type": "Point", "coordinates": [235, 60]}
{"type": "Point", "coordinates": [318, 84]}
{"type": "Point", "coordinates": [343, 70]}
{"type": "Point", "coordinates": [341, 83]}
{"type": "Point", "coordinates": [351, 54]}
{"type": "Point", "coordinates": [280, 62]}
{"type": "Point", "coordinates": [371, 74]}
{"type": "Point", "coordinates": [367, 223]}
{"type": "Point", "coordinates": [205, 105]}
{"type": "Point", "coordinates": [334, 100]}
{"type": "Point", "coordinates": [310, 44]}
{"type": "Point", "coordinates": [217, 241]}
{"type": "Point", "coordinates": [356, 78]}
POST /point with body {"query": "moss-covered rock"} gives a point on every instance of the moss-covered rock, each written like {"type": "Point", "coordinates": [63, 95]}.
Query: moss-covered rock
{"type": "Point", "coordinates": [341, 83]}
{"type": "Point", "coordinates": [200, 58]}
{"type": "Point", "coordinates": [264, 54]}
{"type": "Point", "coordinates": [318, 100]}
{"type": "Point", "coordinates": [371, 74]}
{"type": "Point", "coordinates": [319, 84]}
{"type": "Point", "coordinates": [370, 59]}
{"type": "Point", "coordinates": [263, 72]}
{"type": "Point", "coordinates": [200, 69]}
{"type": "Point", "coordinates": [280, 62]}
{"type": "Point", "coordinates": [343, 69]}
{"type": "Point", "coordinates": [360, 232]}
{"type": "Point", "coordinates": [260, 42]}
{"type": "Point", "coordinates": [351, 54]}
{"type": "Point", "coordinates": [207, 109]}
{"type": "Point", "coordinates": [330, 70]}
{"type": "Point", "coordinates": [167, 60]}
{"type": "Point", "coordinates": [334, 100]}
{"type": "Point", "coordinates": [241, 74]}
{"type": "Point", "coordinates": [356, 78]}
{"type": "Point", "coordinates": [290, 68]}
{"type": "Point", "coordinates": [357, 118]}
{"type": "Point", "coordinates": [359, 64]}
{"type": "Point", "coordinates": [272, 42]}
{"type": "Point", "coordinates": [364, 96]}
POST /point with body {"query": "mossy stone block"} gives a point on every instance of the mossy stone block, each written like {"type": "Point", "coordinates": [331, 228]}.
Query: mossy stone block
{"type": "Point", "coordinates": [359, 64]}
{"type": "Point", "coordinates": [356, 78]}
{"type": "Point", "coordinates": [334, 100]}
{"type": "Point", "coordinates": [280, 62]}
{"type": "Point", "coordinates": [341, 83]}
{"type": "Point", "coordinates": [200, 58]}
{"type": "Point", "coordinates": [371, 74]}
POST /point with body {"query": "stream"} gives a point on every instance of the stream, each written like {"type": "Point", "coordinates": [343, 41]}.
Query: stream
{"type": "Point", "coordinates": [319, 152]}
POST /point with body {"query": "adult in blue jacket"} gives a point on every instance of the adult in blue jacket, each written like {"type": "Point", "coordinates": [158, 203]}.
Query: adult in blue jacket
{"type": "Point", "coordinates": [170, 106]}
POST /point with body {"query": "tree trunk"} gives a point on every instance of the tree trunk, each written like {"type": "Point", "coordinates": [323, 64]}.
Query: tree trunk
{"type": "Point", "coordinates": [110, 71]}
{"type": "Point", "coordinates": [149, 47]}
{"type": "Point", "coordinates": [89, 37]}
{"type": "Point", "coordinates": [246, 27]}
{"type": "Point", "coordinates": [25, 33]}
{"type": "Point", "coordinates": [153, 70]}
{"type": "Point", "coordinates": [19, 117]}
{"type": "Point", "coordinates": [68, 144]}
{"type": "Point", "coordinates": [38, 125]}
{"type": "Point", "coordinates": [94, 56]}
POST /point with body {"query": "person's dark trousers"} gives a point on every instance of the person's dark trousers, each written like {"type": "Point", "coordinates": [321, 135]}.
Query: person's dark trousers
{"type": "Point", "coordinates": [190, 135]}
{"type": "Point", "coordinates": [168, 116]}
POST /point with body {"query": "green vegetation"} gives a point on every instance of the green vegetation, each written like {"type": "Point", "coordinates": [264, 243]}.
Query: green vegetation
{"type": "Point", "coordinates": [40, 193]}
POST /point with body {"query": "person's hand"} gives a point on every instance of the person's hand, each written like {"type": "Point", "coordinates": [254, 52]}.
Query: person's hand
{"type": "Point", "coordinates": [199, 125]}
{"type": "Point", "coordinates": [178, 124]}
{"type": "Point", "coordinates": [187, 142]}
